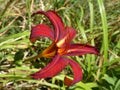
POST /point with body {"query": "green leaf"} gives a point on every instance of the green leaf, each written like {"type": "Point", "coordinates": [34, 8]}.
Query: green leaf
{"type": "Point", "coordinates": [84, 86]}
{"type": "Point", "coordinates": [92, 85]}
{"type": "Point", "coordinates": [109, 79]}
{"type": "Point", "coordinates": [117, 86]}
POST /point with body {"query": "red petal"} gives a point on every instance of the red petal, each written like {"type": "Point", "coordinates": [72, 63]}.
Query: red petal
{"type": "Point", "coordinates": [52, 69]}
{"type": "Point", "coordinates": [81, 49]}
{"type": "Point", "coordinates": [41, 30]}
{"type": "Point", "coordinates": [55, 20]}
{"type": "Point", "coordinates": [66, 37]}
{"type": "Point", "coordinates": [77, 73]}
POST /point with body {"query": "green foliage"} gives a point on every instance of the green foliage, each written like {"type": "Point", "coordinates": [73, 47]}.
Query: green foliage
{"type": "Point", "coordinates": [96, 21]}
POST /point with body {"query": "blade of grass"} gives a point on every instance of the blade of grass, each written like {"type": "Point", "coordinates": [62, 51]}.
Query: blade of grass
{"type": "Point", "coordinates": [105, 31]}
{"type": "Point", "coordinates": [28, 5]}
{"type": "Point", "coordinates": [90, 58]}
{"type": "Point", "coordinates": [6, 7]}
{"type": "Point", "coordinates": [3, 39]}
{"type": "Point", "coordinates": [26, 78]}
{"type": "Point", "coordinates": [81, 28]}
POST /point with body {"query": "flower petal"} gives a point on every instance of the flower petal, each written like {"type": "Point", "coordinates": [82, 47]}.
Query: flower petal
{"type": "Point", "coordinates": [55, 20]}
{"type": "Point", "coordinates": [81, 49]}
{"type": "Point", "coordinates": [57, 64]}
{"type": "Point", "coordinates": [77, 70]}
{"type": "Point", "coordinates": [66, 37]}
{"type": "Point", "coordinates": [41, 30]}
{"type": "Point", "coordinates": [65, 40]}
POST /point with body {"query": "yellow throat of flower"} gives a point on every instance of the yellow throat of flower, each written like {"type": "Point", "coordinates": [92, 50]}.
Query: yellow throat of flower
{"type": "Point", "coordinates": [50, 51]}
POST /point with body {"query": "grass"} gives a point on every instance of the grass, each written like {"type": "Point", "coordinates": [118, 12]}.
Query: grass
{"type": "Point", "coordinates": [96, 22]}
{"type": "Point", "coordinates": [105, 32]}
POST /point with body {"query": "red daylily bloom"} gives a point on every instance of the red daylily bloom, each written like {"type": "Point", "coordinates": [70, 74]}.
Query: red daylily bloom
{"type": "Point", "coordinates": [61, 47]}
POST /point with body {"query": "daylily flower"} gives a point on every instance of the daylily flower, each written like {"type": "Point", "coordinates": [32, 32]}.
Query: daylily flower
{"type": "Point", "coordinates": [59, 49]}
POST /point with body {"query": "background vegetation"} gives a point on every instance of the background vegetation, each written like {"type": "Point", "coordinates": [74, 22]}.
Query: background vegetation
{"type": "Point", "coordinates": [97, 22]}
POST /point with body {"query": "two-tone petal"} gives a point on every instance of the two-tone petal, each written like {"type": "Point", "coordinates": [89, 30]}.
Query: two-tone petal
{"type": "Point", "coordinates": [53, 68]}
{"type": "Point", "coordinates": [56, 66]}
{"type": "Point", "coordinates": [77, 70]}
{"type": "Point", "coordinates": [81, 49]}
{"type": "Point", "coordinates": [66, 37]}
{"type": "Point", "coordinates": [50, 51]}
{"type": "Point", "coordinates": [55, 20]}
{"type": "Point", "coordinates": [41, 30]}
